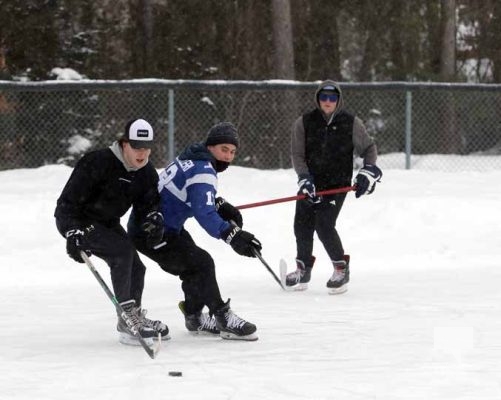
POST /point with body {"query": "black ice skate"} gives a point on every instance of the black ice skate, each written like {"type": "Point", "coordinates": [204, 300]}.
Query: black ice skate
{"type": "Point", "coordinates": [199, 323]}
{"type": "Point", "coordinates": [338, 282]}
{"type": "Point", "coordinates": [232, 326]}
{"type": "Point", "coordinates": [126, 335]}
{"type": "Point", "coordinates": [157, 326]}
{"type": "Point", "coordinates": [298, 280]}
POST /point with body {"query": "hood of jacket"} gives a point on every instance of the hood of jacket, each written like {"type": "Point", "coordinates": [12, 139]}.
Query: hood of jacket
{"type": "Point", "coordinates": [197, 151]}
{"type": "Point", "coordinates": [117, 150]}
{"type": "Point", "coordinates": [337, 89]}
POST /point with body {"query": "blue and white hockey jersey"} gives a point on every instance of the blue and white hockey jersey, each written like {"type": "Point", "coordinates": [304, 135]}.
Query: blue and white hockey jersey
{"type": "Point", "coordinates": [187, 189]}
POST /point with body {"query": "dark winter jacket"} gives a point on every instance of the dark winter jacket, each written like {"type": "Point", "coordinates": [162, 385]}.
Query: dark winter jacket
{"type": "Point", "coordinates": [322, 146]}
{"type": "Point", "coordinates": [101, 190]}
{"type": "Point", "coordinates": [329, 149]}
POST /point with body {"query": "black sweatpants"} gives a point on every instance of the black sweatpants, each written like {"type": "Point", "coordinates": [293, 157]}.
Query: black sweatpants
{"type": "Point", "coordinates": [195, 267]}
{"type": "Point", "coordinates": [114, 246]}
{"type": "Point", "coordinates": [320, 218]}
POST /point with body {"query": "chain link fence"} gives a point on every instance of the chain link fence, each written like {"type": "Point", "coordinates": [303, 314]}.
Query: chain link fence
{"type": "Point", "coordinates": [56, 122]}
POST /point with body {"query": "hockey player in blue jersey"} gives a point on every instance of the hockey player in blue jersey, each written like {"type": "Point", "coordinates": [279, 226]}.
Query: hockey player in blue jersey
{"type": "Point", "coordinates": [187, 188]}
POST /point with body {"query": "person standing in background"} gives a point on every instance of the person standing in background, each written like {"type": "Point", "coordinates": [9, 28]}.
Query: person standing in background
{"type": "Point", "coordinates": [323, 143]}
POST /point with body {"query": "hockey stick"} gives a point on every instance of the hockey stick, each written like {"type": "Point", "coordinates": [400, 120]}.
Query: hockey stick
{"type": "Point", "coordinates": [258, 255]}
{"type": "Point", "coordinates": [298, 197]}
{"type": "Point", "coordinates": [151, 352]}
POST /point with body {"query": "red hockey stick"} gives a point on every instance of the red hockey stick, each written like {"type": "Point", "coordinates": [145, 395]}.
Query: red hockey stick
{"type": "Point", "coordinates": [298, 197]}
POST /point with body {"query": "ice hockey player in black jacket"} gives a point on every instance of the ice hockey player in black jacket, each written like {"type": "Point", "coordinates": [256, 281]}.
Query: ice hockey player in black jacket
{"type": "Point", "coordinates": [102, 187]}
{"type": "Point", "coordinates": [323, 142]}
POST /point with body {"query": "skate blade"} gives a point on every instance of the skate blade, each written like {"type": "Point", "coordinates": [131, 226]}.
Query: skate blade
{"type": "Point", "coordinates": [300, 287]}
{"type": "Point", "coordinates": [129, 340]}
{"type": "Point", "coordinates": [203, 333]}
{"type": "Point", "coordinates": [339, 290]}
{"type": "Point", "coordinates": [231, 336]}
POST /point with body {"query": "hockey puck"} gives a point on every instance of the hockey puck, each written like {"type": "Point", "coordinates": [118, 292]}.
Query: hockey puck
{"type": "Point", "coordinates": [175, 373]}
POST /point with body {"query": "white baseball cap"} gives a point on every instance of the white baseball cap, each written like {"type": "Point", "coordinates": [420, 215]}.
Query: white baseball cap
{"type": "Point", "coordinates": [139, 133]}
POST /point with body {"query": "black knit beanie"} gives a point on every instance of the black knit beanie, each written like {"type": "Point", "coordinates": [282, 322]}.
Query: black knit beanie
{"type": "Point", "coordinates": [223, 132]}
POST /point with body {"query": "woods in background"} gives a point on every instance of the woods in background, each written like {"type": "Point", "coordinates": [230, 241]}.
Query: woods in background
{"type": "Point", "coordinates": [349, 40]}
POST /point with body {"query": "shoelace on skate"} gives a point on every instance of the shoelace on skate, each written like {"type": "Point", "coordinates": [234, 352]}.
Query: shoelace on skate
{"type": "Point", "coordinates": [133, 319]}
{"type": "Point", "coordinates": [207, 323]}
{"type": "Point", "coordinates": [233, 320]}
{"type": "Point", "coordinates": [295, 277]}
{"type": "Point", "coordinates": [338, 274]}
{"type": "Point", "coordinates": [149, 323]}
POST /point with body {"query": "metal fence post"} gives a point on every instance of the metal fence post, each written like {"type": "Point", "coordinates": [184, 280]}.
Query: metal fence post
{"type": "Point", "coordinates": [171, 126]}
{"type": "Point", "coordinates": [408, 129]}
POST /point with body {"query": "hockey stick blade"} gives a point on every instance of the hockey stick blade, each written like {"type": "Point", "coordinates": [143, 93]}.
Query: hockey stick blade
{"type": "Point", "coordinates": [283, 273]}
{"type": "Point", "coordinates": [258, 255]}
{"type": "Point", "coordinates": [283, 276]}
{"type": "Point", "coordinates": [152, 352]}
{"type": "Point", "coordinates": [283, 279]}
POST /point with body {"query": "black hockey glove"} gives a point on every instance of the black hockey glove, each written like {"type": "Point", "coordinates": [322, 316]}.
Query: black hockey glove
{"type": "Point", "coordinates": [153, 227]}
{"type": "Point", "coordinates": [307, 187]}
{"type": "Point", "coordinates": [75, 243]}
{"type": "Point", "coordinates": [228, 212]}
{"type": "Point", "coordinates": [243, 242]}
{"type": "Point", "coordinates": [366, 179]}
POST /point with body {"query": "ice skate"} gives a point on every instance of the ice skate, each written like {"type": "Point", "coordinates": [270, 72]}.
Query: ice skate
{"type": "Point", "coordinates": [232, 326]}
{"type": "Point", "coordinates": [298, 280]}
{"type": "Point", "coordinates": [338, 282]}
{"type": "Point", "coordinates": [126, 333]}
{"type": "Point", "coordinates": [157, 326]}
{"type": "Point", "coordinates": [199, 323]}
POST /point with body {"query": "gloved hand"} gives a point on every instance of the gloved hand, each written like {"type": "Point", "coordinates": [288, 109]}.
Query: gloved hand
{"type": "Point", "coordinates": [307, 187]}
{"type": "Point", "coordinates": [153, 227]}
{"type": "Point", "coordinates": [228, 212]}
{"type": "Point", "coordinates": [243, 242]}
{"type": "Point", "coordinates": [366, 179]}
{"type": "Point", "coordinates": [75, 243]}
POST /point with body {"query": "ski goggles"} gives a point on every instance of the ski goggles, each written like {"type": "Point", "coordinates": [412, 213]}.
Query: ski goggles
{"type": "Point", "coordinates": [333, 97]}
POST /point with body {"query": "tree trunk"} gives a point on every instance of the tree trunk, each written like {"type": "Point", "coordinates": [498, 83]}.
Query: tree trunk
{"type": "Point", "coordinates": [282, 39]}
{"type": "Point", "coordinates": [147, 37]}
{"type": "Point", "coordinates": [448, 53]}
{"type": "Point", "coordinates": [283, 57]}
{"type": "Point", "coordinates": [495, 42]}
{"type": "Point", "coordinates": [450, 142]}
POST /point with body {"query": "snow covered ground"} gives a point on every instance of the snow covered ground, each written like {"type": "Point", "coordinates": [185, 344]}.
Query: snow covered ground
{"type": "Point", "coordinates": [421, 319]}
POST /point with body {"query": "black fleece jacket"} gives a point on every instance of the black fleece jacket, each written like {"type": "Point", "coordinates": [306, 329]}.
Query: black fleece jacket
{"type": "Point", "coordinates": [101, 190]}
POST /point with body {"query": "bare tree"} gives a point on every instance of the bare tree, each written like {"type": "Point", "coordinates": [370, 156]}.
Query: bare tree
{"type": "Point", "coordinates": [450, 136]}
{"type": "Point", "coordinates": [495, 40]}
{"type": "Point", "coordinates": [283, 57]}
{"type": "Point", "coordinates": [147, 36]}
{"type": "Point", "coordinates": [448, 53]}
{"type": "Point", "coordinates": [282, 39]}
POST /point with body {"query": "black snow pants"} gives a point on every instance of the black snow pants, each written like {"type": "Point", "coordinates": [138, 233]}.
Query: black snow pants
{"type": "Point", "coordinates": [195, 267]}
{"type": "Point", "coordinates": [114, 246]}
{"type": "Point", "coordinates": [321, 218]}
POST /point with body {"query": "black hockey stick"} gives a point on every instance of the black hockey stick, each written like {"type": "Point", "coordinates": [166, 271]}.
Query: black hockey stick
{"type": "Point", "coordinates": [152, 352]}
{"type": "Point", "coordinates": [258, 255]}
